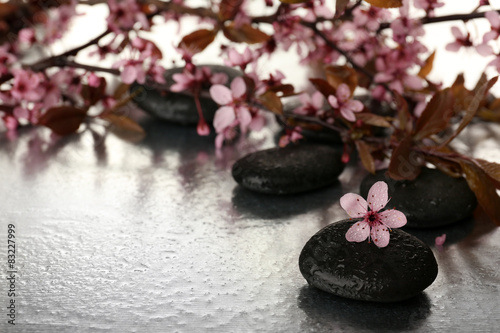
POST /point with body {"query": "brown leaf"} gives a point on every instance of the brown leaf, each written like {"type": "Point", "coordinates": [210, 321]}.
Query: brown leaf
{"type": "Point", "coordinates": [492, 170]}
{"type": "Point", "coordinates": [244, 34]}
{"type": "Point", "coordinates": [63, 120]}
{"type": "Point", "coordinates": [323, 87]}
{"type": "Point", "coordinates": [121, 90]}
{"type": "Point", "coordinates": [198, 40]}
{"type": "Point", "coordinates": [373, 119]}
{"type": "Point", "coordinates": [7, 9]}
{"type": "Point", "coordinates": [402, 111]}
{"type": "Point", "coordinates": [229, 8]}
{"type": "Point", "coordinates": [336, 75]}
{"type": "Point", "coordinates": [272, 102]}
{"type": "Point", "coordinates": [427, 67]}
{"type": "Point", "coordinates": [92, 95]}
{"type": "Point", "coordinates": [340, 6]}
{"type": "Point", "coordinates": [285, 90]}
{"type": "Point", "coordinates": [473, 107]}
{"type": "Point", "coordinates": [125, 128]}
{"type": "Point", "coordinates": [405, 163]}
{"type": "Point", "coordinates": [483, 188]}
{"type": "Point", "coordinates": [436, 115]}
{"type": "Point", "coordinates": [293, 1]}
{"type": "Point", "coordinates": [386, 3]}
{"type": "Point", "coordinates": [365, 156]}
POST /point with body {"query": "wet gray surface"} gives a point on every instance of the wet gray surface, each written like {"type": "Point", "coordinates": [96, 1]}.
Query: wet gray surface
{"type": "Point", "coordinates": [113, 236]}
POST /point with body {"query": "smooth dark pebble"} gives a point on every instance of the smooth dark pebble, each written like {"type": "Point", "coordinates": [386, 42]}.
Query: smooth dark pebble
{"type": "Point", "coordinates": [434, 199]}
{"type": "Point", "coordinates": [362, 271]}
{"type": "Point", "coordinates": [178, 107]}
{"type": "Point", "coordinates": [293, 169]}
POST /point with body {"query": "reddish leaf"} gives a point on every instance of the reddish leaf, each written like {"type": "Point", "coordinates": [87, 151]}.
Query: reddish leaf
{"type": "Point", "coordinates": [92, 95]}
{"type": "Point", "coordinates": [473, 107]}
{"type": "Point", "coordinates": [7, 9]}
{"type": "Point", "coordinates": [336, 75]}
{"type": "Point", "coordinates": [125, 127]}
{"type": "Point", "coordinates": [63, 120]}
{"type": "Point", "coordinates": [427, 67]}
{"type": "Point", "coordinates": [340, 6]}
{"type": "Point", "coordinates": [121, 90]}
{"type": "Point", "coordinates": [405, 162]}
{"type": "Point", "coordinates": [323, 87]}
{"type": "Point", "coordinates": [492, 170]}
{"type": "Point", "coordinates": [436, 115]}
{"type": "Point", "coordinates": [271, 101]}
{"type": "Point", "coordinates": [386, 3]}
{"type": "Point", "coordinates": [402, 110]}
{"type": "Point", "coordinates": [244, 34]}
{"type": "Point", "coordinates": [294, 1]}
{"type": "Point", "coordinates": [483, 188]}
{"type": "Point", "coordinates": [373, 119]}
{"type": "Point", "coordinates": [285, 90]}
{"type": "Point", "coordinates": [365, 156]}
{"type": "Point", "coordinates": [229, 8]}
{"type": "Point", "coordinates": [198, 40]}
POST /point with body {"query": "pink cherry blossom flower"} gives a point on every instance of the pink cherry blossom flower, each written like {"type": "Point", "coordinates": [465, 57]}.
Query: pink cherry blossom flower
{"type": "Point", "coordinates": [291, 135]}
{"type": "Point", "coordinates": [461, 40]}
{"type": "Point", "coordinates": [27, 86]}
{"type": "Point", "coordinates": [343, 102]}
{"type": "Point", "coordinates": [241, 60]}
{"type": "Point", "coordinates": [234, 111]}
{"type": "Point", "coordinates": [440, 240]}
{"type": "Point", "coordinates": [311, 104]}
{"type": "Point", "coordinates": [371, 17]}
{"type": "Point", "coordinates": [375, 224]}
{"type": "Point", "coordinates": [428, 5]}
{"type": "Point", "coordinates": [494, 19]}
{"type": "Point", "coordinates": [123, 14]}
{"type": "Point", "coordinates": [404, 27]}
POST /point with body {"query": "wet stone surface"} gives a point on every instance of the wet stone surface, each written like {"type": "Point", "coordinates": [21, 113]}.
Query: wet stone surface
{"type": "Point", "coordinates": [434, 199]}
{"type": "Point", "coordinates": [362, 271]}
{"type": "Point", "coordinates": [293, 169]}
{"type": "Point", "coordinates": [178, 107]}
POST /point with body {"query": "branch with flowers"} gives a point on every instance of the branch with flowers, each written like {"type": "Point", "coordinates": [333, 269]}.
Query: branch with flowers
{"type": "Point", "coordinates": [360, 47]}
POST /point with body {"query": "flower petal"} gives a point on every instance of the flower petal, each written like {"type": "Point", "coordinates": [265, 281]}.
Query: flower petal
{"type": "Point", "coordinates": [393, 218]}
{"type": "Point", "coordinates": [347, 113]}
{"type": "Point", "coordinates": [223, 118]}
{"type": "Point", "coordinates": [354, 204]}
{"type": "Point", "coordinates": [221, 94]}
{"type": "Point", "coordinates": [358, 232]}
{"type": "Point", "coordinates": [343, 92]}
{"type": "Point", "coordinates": [238, 87]}
{"type": "Point", "coordinates": [380, 235]}
{"type": "Point", "coordinates": [333, 101]}
{"type": "Point", "coordinates": [355, 106]}
{"type": "Point", "coordinates": [377, 196]}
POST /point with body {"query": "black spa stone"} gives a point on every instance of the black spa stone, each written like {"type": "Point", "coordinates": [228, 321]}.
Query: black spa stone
{"type": "Point", "coordinates": [362, 271]}
{"type": "Point", "coordinates": [293, 169]}
{"type": "Point", "coordinates": [178, 107]}
{"type": "Point", "coordinates": [434, 199]}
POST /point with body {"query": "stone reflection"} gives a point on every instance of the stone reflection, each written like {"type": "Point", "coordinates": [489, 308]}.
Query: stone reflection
{"type": "Point", "coordinates": [336, 313]}
{"type": "Point", "coordinates": [279, 206]}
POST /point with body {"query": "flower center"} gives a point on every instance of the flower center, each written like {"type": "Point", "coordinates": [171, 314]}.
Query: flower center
{"type": "Point", "coordinates": [372, 218]}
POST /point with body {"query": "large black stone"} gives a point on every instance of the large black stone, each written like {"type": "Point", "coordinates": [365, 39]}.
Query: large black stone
{"type": "Point", "coordinates": [293, 169]}
{"type": "Point", "coordinates": [434, 199]}
{"type": "Point", "coordinates": [178, 107]}
{"type": "Point", "coordinates": [362, 271]}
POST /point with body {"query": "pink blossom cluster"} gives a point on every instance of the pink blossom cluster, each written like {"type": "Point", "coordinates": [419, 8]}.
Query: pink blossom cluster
{"type": "Point", "coordinates": [383, 47]}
